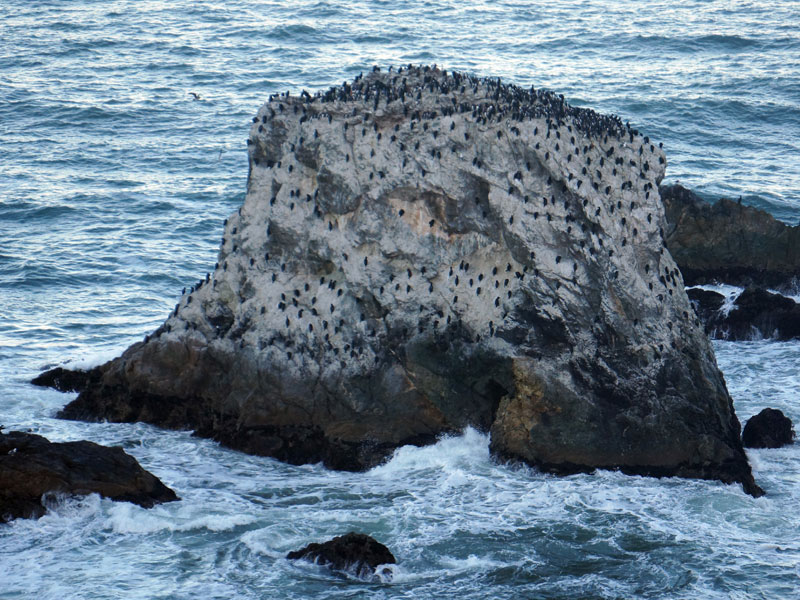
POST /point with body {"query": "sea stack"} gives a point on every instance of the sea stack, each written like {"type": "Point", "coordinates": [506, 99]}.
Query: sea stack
{"type": "Point", "coordinates": [420, 251]}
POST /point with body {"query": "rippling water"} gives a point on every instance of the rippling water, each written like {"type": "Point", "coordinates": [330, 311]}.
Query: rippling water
{"type": "Point", "coordinates": [113, 186]}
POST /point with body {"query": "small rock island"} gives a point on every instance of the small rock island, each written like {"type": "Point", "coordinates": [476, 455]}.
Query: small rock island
{"type": "Point", "coordinates": [420, 251]}
{"type": "Point", "coordinates": [33, 468]}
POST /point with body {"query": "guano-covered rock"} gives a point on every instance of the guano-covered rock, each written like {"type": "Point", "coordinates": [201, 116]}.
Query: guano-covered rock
{"type": "Point", "coordinates": [420, 251]}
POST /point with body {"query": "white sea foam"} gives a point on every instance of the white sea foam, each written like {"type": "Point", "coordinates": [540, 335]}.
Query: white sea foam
{"type": "Point", "coordinates": [127, 518]}
{"type": "Point", "coordinates": [89, 359]}
{"type": "Point", "coordinates": [470, 563]}
{"type": "Point", "coordinates": [450, 454]}
{"type": "Point", "coordinates": [730, 292]}
{"type": "Point", "coordinates": [793, 293]}
{"type": "Point", "coordinates": [448, 512]}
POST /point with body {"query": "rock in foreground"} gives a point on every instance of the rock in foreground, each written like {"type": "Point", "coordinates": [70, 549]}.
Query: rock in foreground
{"type": "Point", "coordinates": [354, 553]}
{"type": "Point", "coordinates": [31, 466]}
{"type": "Point", "coordinates": [768, 429]}
{"type": "Point", "coordinates": [420, 251]}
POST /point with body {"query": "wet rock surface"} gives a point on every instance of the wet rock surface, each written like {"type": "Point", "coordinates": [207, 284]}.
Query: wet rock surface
{"type": "Point", "coordinates": [768, 429]}
{"type": "Point", "coordinates": [31, 467]}
{"type": "Point", "coordinates": [420, 251]}
{"type": "Point", "coordinates": [707, 305]}
{"type": "Point", "coordinates": [355, 553]}
{"type": "Point", "coordinates": [758, 313]}
{"type": "Point", "coordinates": [728, 242]}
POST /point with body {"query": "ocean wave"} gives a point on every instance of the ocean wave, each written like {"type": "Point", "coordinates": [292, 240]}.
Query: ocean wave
{"type": "Point", "coordinates": [684, 43]}
{"type": "Point", "coordinates": [293, 32]}
{"type": "Point", "coordinates": [127, 518]}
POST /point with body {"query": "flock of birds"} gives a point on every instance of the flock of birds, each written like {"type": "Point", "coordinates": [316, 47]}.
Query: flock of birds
{"type": "Point", "coordinates": [408, 83]}
{"type": "Point", "coordinates": [469, 298]}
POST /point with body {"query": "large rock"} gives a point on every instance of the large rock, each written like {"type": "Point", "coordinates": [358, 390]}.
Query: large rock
{"type": "Point", "coordinates": [31, 466]}
{"type": "Point", "coordinates": [729, 242]}
{"type": "Point", "coordinates": [420, 251]}
{"type": "Point", "coordinates": [768, 429]}
{"type": "Point", "coordinates": [355, 553]}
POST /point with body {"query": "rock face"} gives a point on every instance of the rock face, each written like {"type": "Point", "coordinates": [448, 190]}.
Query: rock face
{"type": "Point", "coordinates": [768, 429]}
{"type": "Point", "coordinates": [728, 242]}
{"type": "Point", "coordinates": [31, 466]}
{"type": "Point", "coordinates": [355, 553]}
{"type": "Point", "coordinates": [419, 251]}
{"type": "Point", "coordinates": [755, 314]}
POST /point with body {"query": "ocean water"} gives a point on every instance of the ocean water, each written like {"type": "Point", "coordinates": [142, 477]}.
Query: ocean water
{"type": "Point", "coordinates": [113, 186]}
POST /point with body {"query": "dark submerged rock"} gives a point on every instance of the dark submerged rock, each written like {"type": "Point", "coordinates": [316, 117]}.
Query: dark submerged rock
{"type": "Point", "coordinates": [759, 313]}
{"type": "Point", "coordinates": [420, 251]}
{"type": "Point", "coordinates": [67, 380]}
{"type": "Point", "coordinates": [355, 553]}
{"type": "Point", "coordinates": [729, 242]}
{"type": "Point", "coordinates": [32, 466]}
{"type": "Point", "coordinates": [756, 314]}
{"type": "Point", "coordinates": [768, 429]}
{"type": "Point", "coordinates": [706, 303]}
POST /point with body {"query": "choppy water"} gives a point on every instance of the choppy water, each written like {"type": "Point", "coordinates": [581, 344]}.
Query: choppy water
{"type": "Point", "coordinates": [113, 186]}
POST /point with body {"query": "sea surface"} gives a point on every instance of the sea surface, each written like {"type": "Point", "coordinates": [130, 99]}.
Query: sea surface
{"type": "Point", "coordinates": [114, 183]}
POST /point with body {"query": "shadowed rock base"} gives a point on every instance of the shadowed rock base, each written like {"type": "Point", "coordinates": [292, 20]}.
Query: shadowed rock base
{"type": "Point", "coordinates": [548, 427]}
{"type": "Point", "coordinates": [31, 466]}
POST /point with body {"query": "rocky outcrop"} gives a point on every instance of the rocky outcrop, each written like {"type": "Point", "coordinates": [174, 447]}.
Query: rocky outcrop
{"type": "Point", "coordinates": [770, 315]}
{"type": "Point", "coordinates": [420, 251]}
{"type": "Point", "coordinates": [728, 242]}
{"type": "Point", "coordinates": [354, 553]}
{"type": "Point", "coordinates": [756, 314]}
{"type": "Point", "coordinates": [32, 467]}
{"type": "Point", "coordinates": [708, 306]}
{"type": "Point", "coordinates": [768, 429]}
{"type": "Point", "coordinates": [67, 380]}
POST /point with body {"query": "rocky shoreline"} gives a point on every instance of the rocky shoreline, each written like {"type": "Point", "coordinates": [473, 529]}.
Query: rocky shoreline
{"type": "Point", "coordinates": [420, 251]}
